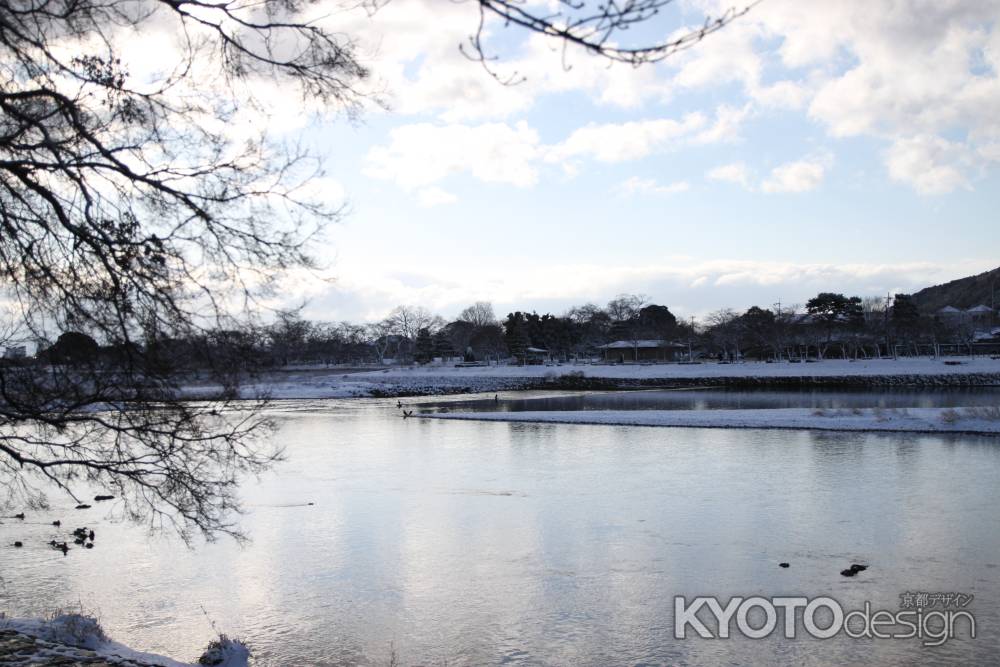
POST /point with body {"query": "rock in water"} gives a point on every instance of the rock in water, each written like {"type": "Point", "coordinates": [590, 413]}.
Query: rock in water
{"type": "Point", "coordinates": [783, 565]}
{"type": "Point", "coordinates": [848, 572]}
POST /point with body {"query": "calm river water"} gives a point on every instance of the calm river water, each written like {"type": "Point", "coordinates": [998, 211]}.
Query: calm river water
{"type": "Point", "coordinates": [464, 543]}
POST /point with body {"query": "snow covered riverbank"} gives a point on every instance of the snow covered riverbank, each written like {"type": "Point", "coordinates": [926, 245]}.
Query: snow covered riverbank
{"type": "Point", "coordinates": [73, 639]}
{"type": "Point", "coordinates": [985, 421]}
{"type": "Point", "coordinates": [431, 380]}
{"type": "Point", "coordinates": [921, 366]}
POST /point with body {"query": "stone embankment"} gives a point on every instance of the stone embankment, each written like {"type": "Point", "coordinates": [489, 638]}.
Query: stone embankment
{"type": "Point", "coordinates": [434, 386]}
{"type": "Point", "coordinates": [21, 650]}
{"type": "Point", "coordinates": [774, 382]}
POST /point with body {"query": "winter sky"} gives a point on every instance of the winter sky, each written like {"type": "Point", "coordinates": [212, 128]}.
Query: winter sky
{"type": "Point", "coordinates": [848, 146]}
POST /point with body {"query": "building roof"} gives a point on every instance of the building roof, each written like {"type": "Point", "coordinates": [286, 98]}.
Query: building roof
{"type": "Point", "coordinates": [632, 344]}
{"type": "Point", "coordinates": [949, 310]}
{"type": "Point", "coordinates": [980, 309]}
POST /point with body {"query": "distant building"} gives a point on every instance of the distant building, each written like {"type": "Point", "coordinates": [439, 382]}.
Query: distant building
{"type": "Point", "coordinates": [979, 317]}
{"type": "Point", "coordinates": [980, 313]}
{"type": "Point", "coordinates": [988, 336]}
{"type": "Point", "coordinates": [643, 350]}
{"type": "Point", "coordinates": [533, 355]}
{"type": "Point", "coordinates": [15, 352]}
{"type": "Point", "coordinates": [949, 312]}
{"type": "Point", "coordinates": [536, 354]}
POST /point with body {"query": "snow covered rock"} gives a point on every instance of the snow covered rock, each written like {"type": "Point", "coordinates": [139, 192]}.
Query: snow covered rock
{"type": "Point", "coordinates": [226, 652]}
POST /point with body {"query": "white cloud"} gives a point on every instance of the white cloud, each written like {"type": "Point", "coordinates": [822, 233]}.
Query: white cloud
{"type": "Point", "coordinates": [421, 154]}
{"type": "Point", "coordinates": [799, 176]}
{"type": "Point", "coordinates": [618, 142]}
{"type": "Point", "coordinates": [727, 56]}
{"type": "Point", "coordinates": [687, 285]}
{"type": "Point", "coordinates": [903, 73]}
{"type": "Point", "coordinates": [727, 124]}
{"type": "Point", "coordinates": [921, 77]}
{"type": "Point", "coordinates": [636, 185]}
{"type": "Point", "coordinates": [435, 196]}
{"type": "Point", "coordinates": [412, 48]}
{"type": "Point", "coordinates": [909, 74]}
{"type": "Point", "coordinates": [735, 55]}
{"type": "Point", "coordinates": [735, 172]}
{"type": "Point", "coordinates": [323, 189]}
{"type": "Point", "coordinates": [928, 163]}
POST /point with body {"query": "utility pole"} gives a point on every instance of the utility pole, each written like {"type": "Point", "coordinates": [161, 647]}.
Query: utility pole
{"type": "Point", "coordinates": [888, 302]}
{"type": "Point", "coordinates": [690, 352]}
{"type": "Point", "coordinates": [777, 321]}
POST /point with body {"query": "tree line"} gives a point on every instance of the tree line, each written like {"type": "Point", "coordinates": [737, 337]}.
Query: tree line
{"type": "Point", "coordinates": [827, 325]}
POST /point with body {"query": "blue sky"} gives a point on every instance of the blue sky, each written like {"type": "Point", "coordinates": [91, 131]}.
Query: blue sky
{"type": "Point", "coordinates": [849, 146]}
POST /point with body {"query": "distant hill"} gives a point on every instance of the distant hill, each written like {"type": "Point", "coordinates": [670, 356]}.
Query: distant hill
{"type": "Point", "coordinates": [961, 293]}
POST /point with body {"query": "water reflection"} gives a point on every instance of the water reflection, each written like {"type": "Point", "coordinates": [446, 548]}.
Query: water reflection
{"type": "Point", "coordinates": [717, 399]}
{"type": "Point", "coordinates": [543, 544]}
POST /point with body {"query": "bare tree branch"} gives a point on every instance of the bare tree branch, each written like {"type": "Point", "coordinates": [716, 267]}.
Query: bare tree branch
{"type": "Point", "coordinates": [595, 27]}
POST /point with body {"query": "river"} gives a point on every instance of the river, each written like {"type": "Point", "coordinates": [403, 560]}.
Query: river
{"type": "Point", "coordinates": [467, 543]}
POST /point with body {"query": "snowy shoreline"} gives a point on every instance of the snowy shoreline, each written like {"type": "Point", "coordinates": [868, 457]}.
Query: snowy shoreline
{"type": "Point", "coordinates": [974, 421]}
{"type": "Point", "coordinates": [437, 380]}
{"type": "Point", "coordinates": [75, 639]}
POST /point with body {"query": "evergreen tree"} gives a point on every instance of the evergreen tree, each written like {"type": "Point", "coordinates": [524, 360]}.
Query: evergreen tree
{"type": "Point", "coordinates": [904, 316]}
{"type": "Point", "coordinates": [424, 346]}
{"type": "Point", "coordinates": [516, 334]}
{"type": "Point", "coordinates": [657, 322]}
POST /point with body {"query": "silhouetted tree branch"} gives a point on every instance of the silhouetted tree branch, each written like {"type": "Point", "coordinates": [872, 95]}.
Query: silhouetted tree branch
{"type": "Point", "coordinates": [139, 209]}
{"type": "Point", "coordinates": [130, 210]}
{"type": "Point", "coordinates": [595, 27]}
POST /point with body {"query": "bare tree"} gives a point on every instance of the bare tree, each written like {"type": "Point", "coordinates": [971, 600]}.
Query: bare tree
{"type": "Point", "coordinates": [625, 311]}
{"type": "Point", "coordinates": [407, 321]}
{"type": "Point", "coordinates": [723, 327]}
{"type": "Point", "coordinates": [133, 211]}
{"type": "Point", "coordinates": [592, 324]}
{"type": "Point", "coordinates": [480, 314]}
{"type": "Point", "coordinates": [288, 336]}
{"type": "Point", "coordinates": [379, 336]}
{"type": "Point", "coordinates": [130, 212]}
{"type": "Point", "coordinates": [626, 307]}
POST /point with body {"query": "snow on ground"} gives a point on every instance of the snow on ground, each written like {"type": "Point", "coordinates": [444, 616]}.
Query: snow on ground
{"type": "Point", "coordinates": [919, 420]}
{"type": "Point", "coordinates": [829, 368]}
{"type": "Point", "coordinates": [74, 637]}
{"type": "Point", "coordinates": [334, 385]}
{"type": "Point", "coordinates": [410, 380]}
